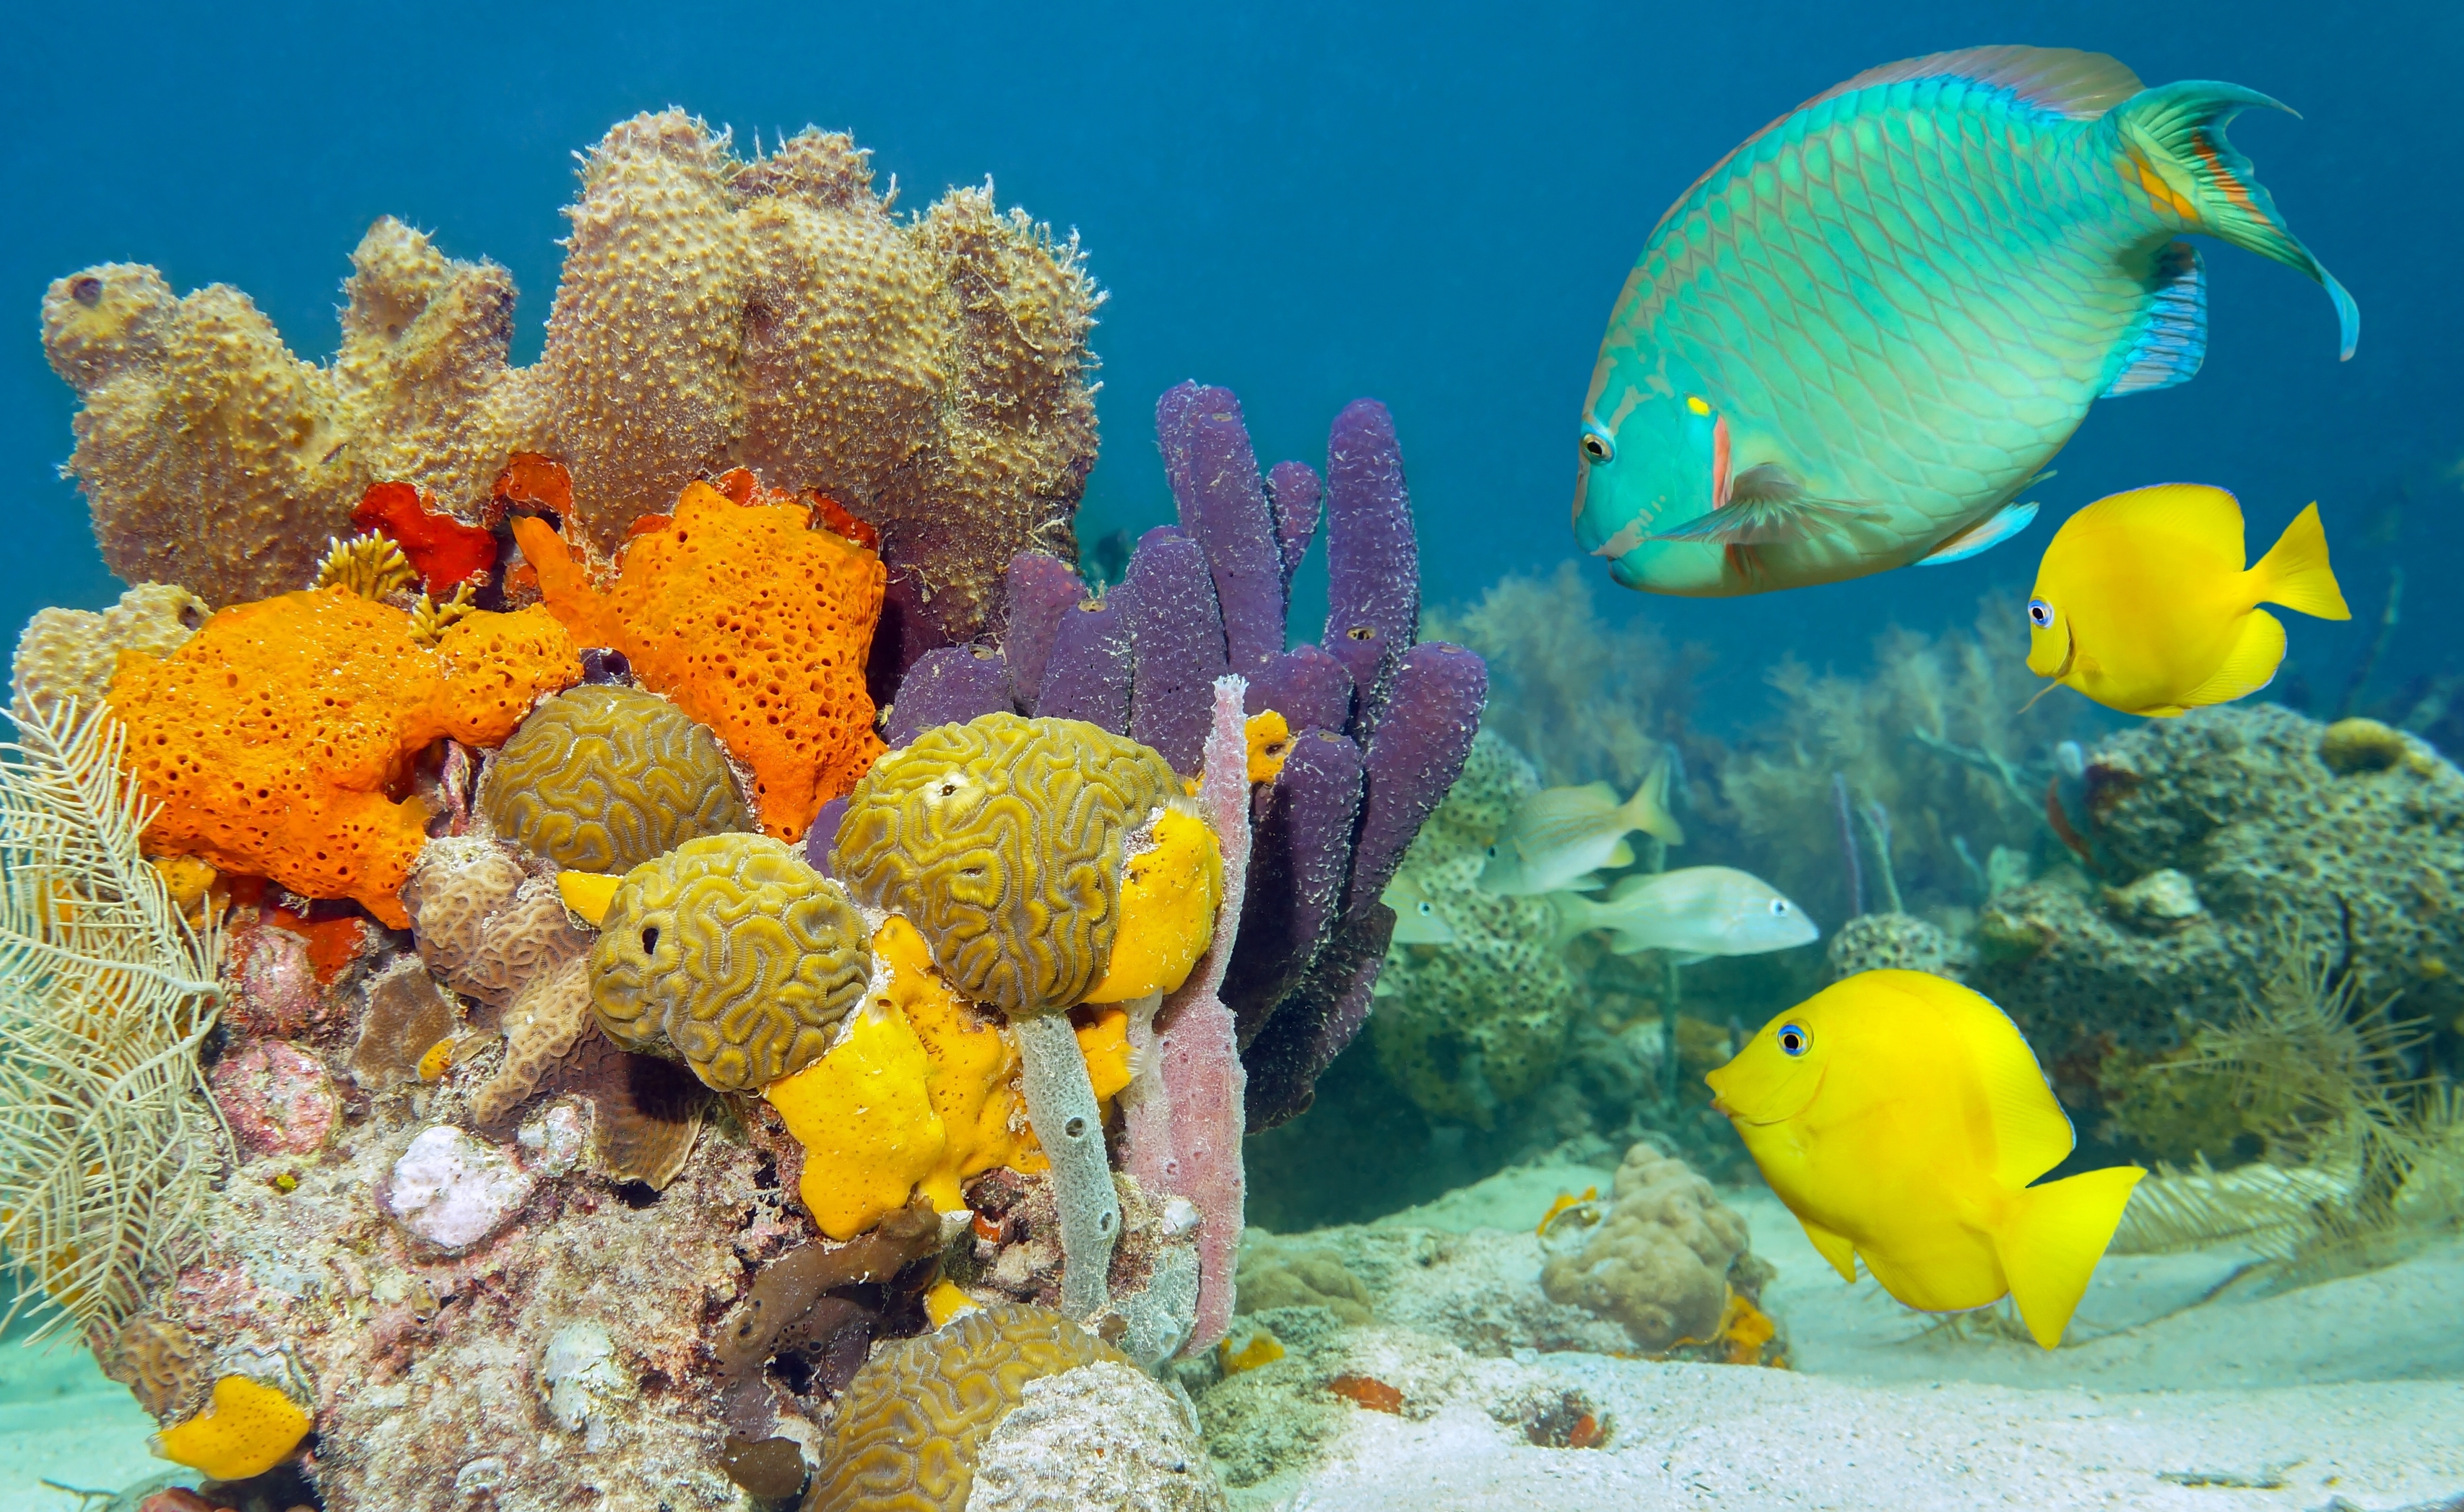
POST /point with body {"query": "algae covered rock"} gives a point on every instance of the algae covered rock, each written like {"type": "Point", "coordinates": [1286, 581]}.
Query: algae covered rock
{"type": "Point", "coordinates": [1658, 1262]}
{"type": "Point", "coordinates": [1895, 942]}
{"type": "Point", "coordinates": [604, 779]}
{"type": "Point", "coordinates": [732, 954]}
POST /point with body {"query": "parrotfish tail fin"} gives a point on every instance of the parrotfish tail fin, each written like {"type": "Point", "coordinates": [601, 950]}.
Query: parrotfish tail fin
{"type": "Point", "coordinates": [2171, 339]}
{"type": "Point", "coordinates": [2250, 666]}
{"type": "Point", "coordinates": [2050, 1244]}
{"type": "Point", "coordinates": [2295, 571]}
{"type": "Point", "coordinates": [1648, 810]}
{"type": "Point", "coordinates": [2182, 128]}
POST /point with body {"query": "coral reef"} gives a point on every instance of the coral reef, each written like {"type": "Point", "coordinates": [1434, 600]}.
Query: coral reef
{"type": "Point", "coordinates": [107, 1139]}
{"type": "Point", "coordinates": [1103, 1434]}
{"type": "Point", "coordinates": [407, 1017]}
{"type": "Point", "coordinates": [276, 1099]}
{"type": "Point", "coordinates": [710, 309]}
{"type": "Point", "coordinates": [67, 653]}
{"type": "Point", "coordinates": [273, 737]}
{"type": "Point", "coordinates": [1275, 1274]}
{"type": "Point", "coordinates": [604, 779]}
{"type": "Point", "coordinates": [732, 954]}
{"type": "Point", "coordinates": [754, 620]}
{"type": "Point", "coordinates": [542, 1023]}
{"type": "Point", "coordinates": [1659, 1261]}
{"type": "Point", "coordinates": [1895, 942]}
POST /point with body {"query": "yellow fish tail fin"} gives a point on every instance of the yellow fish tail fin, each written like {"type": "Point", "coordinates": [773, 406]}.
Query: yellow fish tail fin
{"type": "Point", "coordinates": [2250, 666]}
{"type": "Point", "coordinates": [2050, 1244]}
{"type": "Point", "coordinates": [1648, 810]}
{"type": "Point", "coordinates": [2295, 571]}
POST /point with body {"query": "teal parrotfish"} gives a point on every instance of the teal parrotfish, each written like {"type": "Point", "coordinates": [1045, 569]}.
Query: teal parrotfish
{"type": "Point", "coordinates": [1859, 338]}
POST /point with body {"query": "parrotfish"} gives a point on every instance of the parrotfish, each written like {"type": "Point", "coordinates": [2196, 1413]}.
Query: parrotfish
{"type": "Point", "coordinates": [1558, 838]}
{"type": "Point", "coordinates": [1693, 912]}
{"type": "Point", "coordinates": [2143, 604]}
{"type": "Point", "coordinates": [1860, 337]}
{"type": "Point", "coordinates": [1902, 1117]}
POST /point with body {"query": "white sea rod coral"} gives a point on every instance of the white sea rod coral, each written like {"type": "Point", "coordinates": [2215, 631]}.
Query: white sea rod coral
{"type": "Point", "coordinates": [107, 1134]}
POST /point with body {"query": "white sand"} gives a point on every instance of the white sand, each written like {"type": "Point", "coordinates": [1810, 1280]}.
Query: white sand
{"type": "Point", "coordinates": [60, 1420]}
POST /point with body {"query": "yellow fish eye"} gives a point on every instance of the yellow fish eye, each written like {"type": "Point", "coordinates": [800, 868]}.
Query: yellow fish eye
{"type": "Point", "coordinates": [2040, 613]}
{"type": "Point", "coordinates": [1597, 445]}
{"type": "Point", "coordinates": [1794, 1040]}
{"type": "Point", "coordinates": [1698, 403]}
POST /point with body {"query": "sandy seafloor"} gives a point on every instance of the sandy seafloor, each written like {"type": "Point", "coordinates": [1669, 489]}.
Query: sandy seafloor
{"type": "Point", "coordinates": [2352, 1389]}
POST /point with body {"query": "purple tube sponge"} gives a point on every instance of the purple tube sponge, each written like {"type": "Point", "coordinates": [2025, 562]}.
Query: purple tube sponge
{"type": "Point", "coordinates": [1214, 475]}
{"type": "Point", "coordinates": [1294, 489]}
{"type": "Point", "coordinates": [1299, 852]}
{"type": "Point", "coordinates": [1373, 564]}
{"type": "Point", "coordinates": [1305, 685]}
{"type": "Point", "coordinates": [1176, 643]}
{"type": "Point", "coordinates": [1413, 758]}
{"type": "Point", "coordinates": [1317, 1020]}
{"type": "Point", "coordinates": [1041, 590]}
{"type": "Point", "coordinates": [824, 837]}
{"type": "Point", "coordinates": [948, 686]}
{"type": "Point", "coordinates": [1088, 677]}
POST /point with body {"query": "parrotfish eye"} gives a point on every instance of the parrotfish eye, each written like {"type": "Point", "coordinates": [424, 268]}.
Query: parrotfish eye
{"type": "Point", "coordinates": [1698, 403]}
{"type": "Point", "coordinates": [1597, 445]}
{"type": "Point", "coordinates": [2040, 613]}
{"type": "Point", "coordinates": [1793, 1039]}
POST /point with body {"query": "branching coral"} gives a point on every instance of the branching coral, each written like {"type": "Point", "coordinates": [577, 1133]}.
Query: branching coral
{"type": "Point", "coordinates": [107, 1134]}
{"type": "Point", "coordinates": [928, 374]}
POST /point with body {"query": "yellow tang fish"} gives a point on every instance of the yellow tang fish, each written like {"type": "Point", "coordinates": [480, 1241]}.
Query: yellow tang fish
{"type": "Point", "coordinates": [2143, 604]}
{"type": "Point", "coordinates": [1902, 1117]}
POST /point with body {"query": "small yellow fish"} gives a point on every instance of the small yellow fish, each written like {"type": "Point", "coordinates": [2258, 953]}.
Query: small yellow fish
{"type": "Point", "coordinates": [1558, 838]}
{"type": "Point", "coordinates": [2143, 604]}
{"type": "Point", "coordinates": [1901, 1117]}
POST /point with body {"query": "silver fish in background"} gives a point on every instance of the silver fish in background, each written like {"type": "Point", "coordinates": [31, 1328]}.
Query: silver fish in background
{"type": "Point", "coordinates": [1415, 917]}
{"type": "Point", "coordinates": [1558, 838]}
{"type": "Point", "coordinates": [1694, 912]}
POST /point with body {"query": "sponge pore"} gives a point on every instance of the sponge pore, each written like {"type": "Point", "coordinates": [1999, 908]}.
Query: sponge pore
{"type": "Point", "coordinates": [602, 779]}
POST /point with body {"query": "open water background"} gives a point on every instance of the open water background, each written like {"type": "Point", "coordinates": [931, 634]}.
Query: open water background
{"type": "Point", "coordinates": [1434, 204]}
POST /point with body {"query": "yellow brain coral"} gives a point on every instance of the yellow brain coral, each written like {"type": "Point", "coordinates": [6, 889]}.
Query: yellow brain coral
{"type": "Point", "coordinates": [929, 374]}
{"type": "Point", "coordinates": [732, 953]}
{"type": "Point", "coordinates": [1002, 840]}
{"type": "Point", "coordinates": [755, 623]}
{"type": "Point", "coordinates": [602, 779]}
{"type": "Point", "coordinates": [916, 1415]}
{"type": "Point", "coordinates": [276, 737]}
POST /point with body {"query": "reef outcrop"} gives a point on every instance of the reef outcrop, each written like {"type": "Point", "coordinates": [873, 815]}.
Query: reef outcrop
{"type": "Point", "coordinates": [928, 374]}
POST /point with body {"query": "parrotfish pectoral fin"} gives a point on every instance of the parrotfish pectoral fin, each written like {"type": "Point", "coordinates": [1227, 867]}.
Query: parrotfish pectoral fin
{"type": "Point", "coordinates": [2172, 335]}
{"type": "Point", "coordinates": [1983, 536]}
{"type": "Point", "coordinates": [1833, 1248]}
{"type": "Point", "coordinates": [2180, 128]}
{"type": "Point", "coordinates": [2050, 1243]}
{"type": "Point", "coordinates": [1765, 505]}
{"type": "Point", "coordinates": [2250, 666]}
{"type": "Point", "coordinates": [2295, 571]}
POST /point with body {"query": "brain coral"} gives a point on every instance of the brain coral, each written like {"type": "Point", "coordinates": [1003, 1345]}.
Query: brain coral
{"type": "Point", "coordinates": [732, 953]}
{"type": "Point", "coordinates": [1659, 1263]}
{"type": "Point", "coordinates": [275, 735]}
{"type": "Point", "coordinates": [457, 883]}
{"type": "Point", "coordinates": [755, 623]}
{"type": "Point", "coordinates": [73, 652]}
{"type": "Point", "coordinates": [1002, 840]}
{"type": "Point", "coordinates": [929, 374]}
{"type": "Point", "coordinates": [914, 1417]}
{"type": "Point", "coordinates": [602, 779]}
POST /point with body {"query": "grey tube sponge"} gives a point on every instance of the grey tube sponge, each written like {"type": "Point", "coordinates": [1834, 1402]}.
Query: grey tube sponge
{"type": "Point", "coordinates": [1061, 1106]}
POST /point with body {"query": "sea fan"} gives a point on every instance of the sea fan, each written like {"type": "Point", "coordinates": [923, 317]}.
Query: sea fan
{"type": "Point", "coordinates": [107, 1135]}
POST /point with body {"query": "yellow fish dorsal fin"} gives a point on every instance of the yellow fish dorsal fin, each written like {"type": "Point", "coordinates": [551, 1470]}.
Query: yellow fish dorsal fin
{"type": "Point", "coordinates": [2210, 516]}
{"type": "Point", "coordinates": [2051, 1240]}
{"type": "Point", "coordinates": [1620, 854]}
{"type": "Point", "coordinates": [2250, 666]}
{"type": "Point", "coordinates": [1648, 810]}
{"type": "Point", "coordinates": [2295, 571]}
{"type": "Point", "coordinates": [2031, 1131]}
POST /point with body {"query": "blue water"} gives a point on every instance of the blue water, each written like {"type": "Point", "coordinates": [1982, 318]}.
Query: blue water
{"type": "Point", "coordinates": [1431, 204]}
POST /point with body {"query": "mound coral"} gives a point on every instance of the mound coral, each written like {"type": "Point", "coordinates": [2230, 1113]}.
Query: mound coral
{"type": "Point", "coordinates": [72, 653]}
{"type": "Point", "coordinates": [1660, 1263]}
{"type": "Point", "coordinates": [602, 779]}
{"type": "Point", "coordinates": [913, 1419]}
{"type": "Point", "coordinates": [274, 737]}
{"type": "Point", "coordinates": [732, 954]}
{"type": "Point", "coordinates": [755, 622]}
{"type": "Point", "coordinates": [928, 374]}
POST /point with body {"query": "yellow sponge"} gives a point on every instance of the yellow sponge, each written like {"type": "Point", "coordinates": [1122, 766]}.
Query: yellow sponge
{"type": "Point", "coordinates": [1168, 897]}
{"type": "Point", "coordinates": [247, 1430]}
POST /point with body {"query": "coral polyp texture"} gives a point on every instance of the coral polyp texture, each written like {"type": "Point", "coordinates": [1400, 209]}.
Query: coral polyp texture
{"type": "Point", "coordinates": [755, 621]}
{"type": "Point", "coordinates": [1002, 840]}
{"type": "Point", "coordinates": [1659, 1263]}
{"type": "Point", "coordinates": [73, 652]}
{"type": "Point", "coordinates": [275, 737]}
{"type": "Point", "coordinates": [929, 374]}
{"type": "Point", "coordinates": [602, 779]}
{"type": "Point", "coordinates": [733, 954]}
{"type": "Point", "coordinates": [912, 1420]}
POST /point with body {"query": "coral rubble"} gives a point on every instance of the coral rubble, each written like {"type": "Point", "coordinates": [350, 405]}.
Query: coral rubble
{"type": "Point", "coordinates": [711, 309]}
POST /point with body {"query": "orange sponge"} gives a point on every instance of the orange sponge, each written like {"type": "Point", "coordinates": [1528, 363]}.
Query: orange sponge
{"type": "Point", "coordinates": [753, 622]}
{"type": "Point", "coordinates": [276, 737]}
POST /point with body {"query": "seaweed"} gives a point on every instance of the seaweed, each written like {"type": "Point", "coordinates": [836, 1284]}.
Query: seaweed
{"type": "Point", "coordinates": [107, 1134]}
